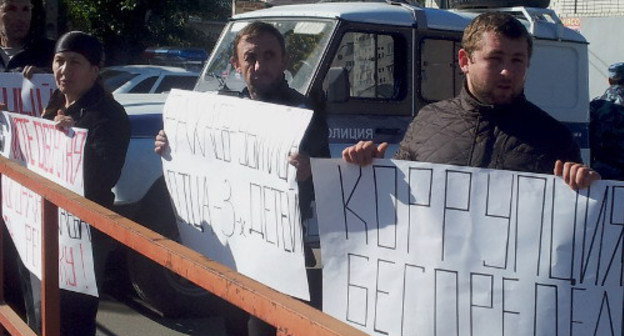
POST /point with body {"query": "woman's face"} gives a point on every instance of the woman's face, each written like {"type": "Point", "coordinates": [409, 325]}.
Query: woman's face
{"type": "Point", "coordinates": [74, 74]}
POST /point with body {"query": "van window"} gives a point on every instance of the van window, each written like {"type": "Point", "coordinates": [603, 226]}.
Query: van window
{"type": "Point", "coordinates": [441, 77]}
{"type": "Point", "coordinates": [374, 65]}
{"type": "Point", "coordinates": [306, 40]}
{"type": "Point", "coordinates": [113, 79]}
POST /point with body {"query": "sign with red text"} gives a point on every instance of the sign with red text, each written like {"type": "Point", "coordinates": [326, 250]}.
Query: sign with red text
{"type": "Point", "coordinates": [572, 23]}
{"type": "Point", "coordinates": [58, 156]}
{"type": "Point", "coordinates": [26, 96]}
{"type": "Point", "coordinates": [234, 192]}
{"type": "Point", "coordinates": [413, 248]}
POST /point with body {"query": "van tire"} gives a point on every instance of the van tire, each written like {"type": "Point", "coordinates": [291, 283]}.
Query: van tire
{"type": "Point", "coordinates": [171, 296]}
{"type": "Point", "coordinates": [165, 292]}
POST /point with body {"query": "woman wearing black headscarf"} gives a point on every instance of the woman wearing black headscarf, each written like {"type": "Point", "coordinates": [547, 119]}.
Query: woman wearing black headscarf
{"type": "Point", "coordinates": [81, 101]}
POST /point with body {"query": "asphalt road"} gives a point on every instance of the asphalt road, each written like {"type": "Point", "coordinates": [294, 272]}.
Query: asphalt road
{"type": "Point", "coordinates": [116, 318]}
{"type": "Point", "coordinates": [120, 313]}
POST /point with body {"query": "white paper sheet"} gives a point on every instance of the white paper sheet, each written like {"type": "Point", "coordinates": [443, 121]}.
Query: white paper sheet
{"type": "Point", "coordinates": [58, 156]}
{"type": "Point", "coordinates": [233, 190]}
{"type": "Point", "coordinates": [420, 249]}
{"type": "Point", "coordinates": [26, 96]}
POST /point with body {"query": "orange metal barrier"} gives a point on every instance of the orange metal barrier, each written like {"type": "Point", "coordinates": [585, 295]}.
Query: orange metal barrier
{"type": "Point", "coordinates": [290, 316]}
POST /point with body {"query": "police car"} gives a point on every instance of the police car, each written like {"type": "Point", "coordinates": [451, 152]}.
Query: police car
{"type": "Point", "coordinates": [147, 78]}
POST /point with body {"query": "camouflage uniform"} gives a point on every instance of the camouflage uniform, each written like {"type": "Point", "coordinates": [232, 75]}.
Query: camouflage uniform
{"type": "Point", "coordinates": [606, 133]}
{"type": "Point", "coordinates": [614, 94]}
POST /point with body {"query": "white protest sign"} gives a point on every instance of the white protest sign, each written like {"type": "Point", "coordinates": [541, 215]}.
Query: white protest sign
{"type": "Point", "coordinates": [26, 96]}
{"type": "Point", "coordinates": [420, 249]}
{"type": "Point", "coordinates": [58, 156]}
{"type": "Point", "coordinates": [234, 192]}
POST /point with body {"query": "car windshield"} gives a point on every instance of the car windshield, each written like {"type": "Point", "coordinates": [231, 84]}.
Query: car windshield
{"type": "Point", "coordinates": [113, 79]}
{"type": "Point", "coordinates": [305, 42]}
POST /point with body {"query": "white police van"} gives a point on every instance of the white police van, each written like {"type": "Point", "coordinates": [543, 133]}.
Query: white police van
{"type": "Point", "coordinates": [375, 64]}
{"type": "Point", "coordinates": [379, 63]}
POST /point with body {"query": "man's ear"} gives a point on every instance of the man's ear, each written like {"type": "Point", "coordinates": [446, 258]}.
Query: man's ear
{"type": "Point", "coordinates": [234, 62]}
{"type": "Point", "coordinates": [96, 71]}
{"type": "Point", "coordinates": [464, 59]}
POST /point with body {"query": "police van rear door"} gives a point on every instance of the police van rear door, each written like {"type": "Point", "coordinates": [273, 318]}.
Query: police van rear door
{"type": "Point", "coordinates": [557, 81]}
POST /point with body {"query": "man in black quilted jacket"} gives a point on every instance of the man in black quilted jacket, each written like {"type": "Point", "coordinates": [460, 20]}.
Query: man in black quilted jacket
{"type": "Point", "coordinates": [490, 124]}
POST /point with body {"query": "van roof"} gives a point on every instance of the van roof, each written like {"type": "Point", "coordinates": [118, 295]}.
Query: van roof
{"type": "Point", "coordinates": [406, 15]}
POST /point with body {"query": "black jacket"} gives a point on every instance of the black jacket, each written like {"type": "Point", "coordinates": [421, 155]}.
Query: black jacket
{"type": "Point", "coordinates": [461, 131]}
{"type": "Point", "coordinates": [606, 133]}
{"type": "Point", "coordinates": [37, 52]}
{"type": "Point", "coordinates": [107, 140]}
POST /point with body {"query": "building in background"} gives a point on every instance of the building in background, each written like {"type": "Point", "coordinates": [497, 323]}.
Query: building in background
{"type": "Point", "coordinates": [600, 21]}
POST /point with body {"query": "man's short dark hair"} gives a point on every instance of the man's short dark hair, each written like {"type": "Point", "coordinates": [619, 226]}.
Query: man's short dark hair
{"type": "Point", "coordinates": [255, 29]}
{"type": "Point", "coordinates": [498, 22]}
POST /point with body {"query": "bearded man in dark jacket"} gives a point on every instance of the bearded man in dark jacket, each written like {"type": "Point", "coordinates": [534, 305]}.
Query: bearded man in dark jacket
{"type": "Point", "coordinates": [20, 50]}
{"type": "Point", "coordinates": [259, 56]}
{"type": "Point", "coordinates": [490, 124]}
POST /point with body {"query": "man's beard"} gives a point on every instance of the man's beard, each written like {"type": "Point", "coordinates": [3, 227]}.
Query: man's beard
{"type": "Point", "coordinates": [491, 96]}
{"type": "Point", "coordinates": [264, 92]}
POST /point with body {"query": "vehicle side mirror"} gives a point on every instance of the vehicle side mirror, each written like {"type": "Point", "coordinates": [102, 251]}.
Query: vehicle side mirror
{"type": "Point", "coordinates": [338, 89]}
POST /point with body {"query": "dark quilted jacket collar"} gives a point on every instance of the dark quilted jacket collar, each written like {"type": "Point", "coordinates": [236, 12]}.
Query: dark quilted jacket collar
{"type": "Point", "coordinates": [472, 106]}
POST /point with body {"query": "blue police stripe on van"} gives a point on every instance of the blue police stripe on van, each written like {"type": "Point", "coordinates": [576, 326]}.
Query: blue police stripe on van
{"type": "Point", "coordinates": [350, 129]}
{"type": "Point", "coordinates": [145, 125]}
{"type": "Point", "coordinates": [347, 129]}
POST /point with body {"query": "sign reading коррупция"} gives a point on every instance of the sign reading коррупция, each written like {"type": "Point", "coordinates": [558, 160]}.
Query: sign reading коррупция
{"type": "Point", "coordinates": [421, 249]}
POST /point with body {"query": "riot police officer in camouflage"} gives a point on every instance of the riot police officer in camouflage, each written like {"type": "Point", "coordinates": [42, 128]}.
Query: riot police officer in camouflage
{"type": "Point", "coordinates": [606, 129]}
